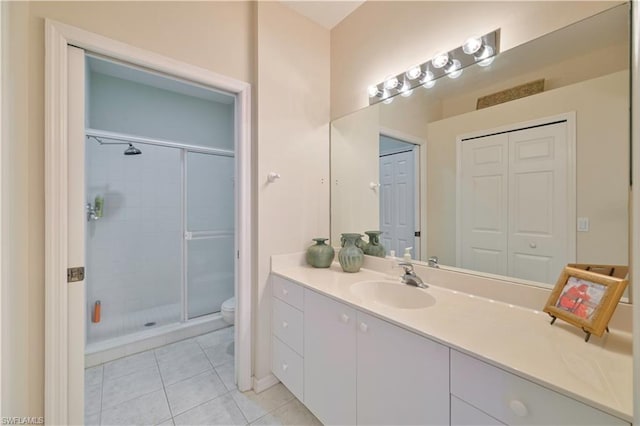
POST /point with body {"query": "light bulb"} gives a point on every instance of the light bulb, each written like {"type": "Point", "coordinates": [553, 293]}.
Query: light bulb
{"type": "Point", "coordinates": [391, 83]}
{"type": "Point", "coordinates": [387, 101]}
{"type": "Point", "coordinates": [428, 76]}
{"type": "Point", "coordinates": [455, 65]}
{"type": "Point", "coordinates": [472, 45]}
{"type": "Point", "coordinates": [440, 60]}
{"type": "Point", "coordinates": [373, 91]}
{"type": "Point", "coordinates": [407, 93]}
{"type": "Point", "coordinates": [455, 74]}
{"type": "Point", "coordinates": [414, 72]}
{"type": "Point", "coordinates": [485, 58]}
{"type": "Point", "coordinates": [429, 84]}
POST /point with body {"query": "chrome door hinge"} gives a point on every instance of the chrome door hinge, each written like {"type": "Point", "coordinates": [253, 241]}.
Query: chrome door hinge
{"type": "Point", "coordinates": [75, 274]}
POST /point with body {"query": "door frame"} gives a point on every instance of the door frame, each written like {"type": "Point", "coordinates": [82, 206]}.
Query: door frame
{"type": "Point", "coordinates": [570, 118]}
{"type": "Point", "coordinates": [420, 202]}
{"type": "Point", "coordinates": [57, 344]}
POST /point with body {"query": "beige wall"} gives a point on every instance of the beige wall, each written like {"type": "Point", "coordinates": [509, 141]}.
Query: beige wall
{"type": "Point", "coordinates": [293, 134]}
{"type": "Point", "coordinates": [602, 147]}
{"type": "Point", "coordinates": [355, 207]}
{"type": "Point", "coordinates": [292, 138]}
{"type": "Point", "coordinates": [381, 38]}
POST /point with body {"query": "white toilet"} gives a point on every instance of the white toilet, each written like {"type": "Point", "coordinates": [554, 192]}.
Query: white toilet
{"type": "Point", "coordinates": [228, 310]}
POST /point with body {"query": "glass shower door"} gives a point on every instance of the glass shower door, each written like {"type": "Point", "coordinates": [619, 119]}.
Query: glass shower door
{"type": "Point", "coordinates": [210, 236]}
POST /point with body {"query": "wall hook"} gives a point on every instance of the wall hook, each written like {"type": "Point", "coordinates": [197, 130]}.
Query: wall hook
{"type": "Point", "coordinates": [272, 176]}
{"type": "Point", "coordinates": [374, 185]}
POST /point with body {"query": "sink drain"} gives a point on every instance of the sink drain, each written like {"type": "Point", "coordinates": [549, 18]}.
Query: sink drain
{"type": "Point", "coordinates": [149, 324]}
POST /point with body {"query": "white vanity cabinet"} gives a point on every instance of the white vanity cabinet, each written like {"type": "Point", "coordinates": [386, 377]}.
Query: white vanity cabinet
{"type": "Point", "coordinates": [403, 378]}
{"type": "Point", "coordinates": [363, 370]}
{"type": "Point", "coordinates": [287, 334]}
{"type": "Point", "coordinates": [330, 361]}
{"type": "Point", "coordinates": [515, 401]}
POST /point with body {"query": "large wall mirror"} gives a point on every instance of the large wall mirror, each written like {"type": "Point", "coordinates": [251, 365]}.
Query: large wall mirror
{"type": "Point", "coordinates": [518, 189]}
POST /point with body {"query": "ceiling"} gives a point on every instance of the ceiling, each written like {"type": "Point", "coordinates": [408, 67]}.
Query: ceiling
{"type": "Point", "coordinates": [327, 13]}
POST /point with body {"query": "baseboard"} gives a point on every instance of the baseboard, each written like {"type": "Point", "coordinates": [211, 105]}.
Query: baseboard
{"type": "Point", "coordinates": [265, 383]}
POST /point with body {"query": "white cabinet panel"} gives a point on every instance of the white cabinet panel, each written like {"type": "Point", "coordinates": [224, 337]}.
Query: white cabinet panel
{"type": "Point", "coordinates": [287, 291]}
{"type": "Point", "coordinates": [287, 325]}
{"type": "Point", "coordinates": [330, 359]}
{"type": "Point", "coordinates": [516, 401]}
{"type": "Point", "coordinates": [287, 366]}
{"type": "Point", "coordinates": [403, 378]}
{"type": "Point", "coordinates": [463, 414]}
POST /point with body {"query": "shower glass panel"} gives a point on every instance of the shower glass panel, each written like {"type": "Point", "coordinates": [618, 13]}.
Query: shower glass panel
{"type": "Point", "coordinates": [210, 212]}
{"type": "Point", "coordinates": [134, 251]}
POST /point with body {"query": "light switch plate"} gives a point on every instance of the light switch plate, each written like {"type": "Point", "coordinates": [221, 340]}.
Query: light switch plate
{"type": "Point", "coordinates": [583, 224]}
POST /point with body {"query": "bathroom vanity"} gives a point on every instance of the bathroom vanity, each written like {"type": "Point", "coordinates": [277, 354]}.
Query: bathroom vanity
{"type": "Point", "coordinates": [365, 349]}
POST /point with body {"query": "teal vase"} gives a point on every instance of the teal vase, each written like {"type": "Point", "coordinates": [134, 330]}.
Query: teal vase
{"type": "Point", "coordinates": [374, 248]}
{"type": "Point", "coordinates": [350, 256]}
{"type": "Point", "coordinates": [320, 255]}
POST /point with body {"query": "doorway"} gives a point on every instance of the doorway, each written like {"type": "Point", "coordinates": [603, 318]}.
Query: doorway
{"type": "Point", "coordinates": [66, 209]}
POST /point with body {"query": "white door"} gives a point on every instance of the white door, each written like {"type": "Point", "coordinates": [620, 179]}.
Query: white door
{"type": "Point", "coordinates": [397, 201]}
{"type": "Point", "coordinates": [538, 202]}
{"type": "Point", "coordinates": [403, 378]}
{"type": "Point", "coordinates": [484, 203]}
{"type": "Point", "coordinates": [76, 233]}
{"type": "Point", "coordinates": [515, 203]}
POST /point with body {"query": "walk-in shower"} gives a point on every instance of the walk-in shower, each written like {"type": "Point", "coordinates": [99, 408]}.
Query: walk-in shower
{"type": "Point", "coordinates": [160, 219]}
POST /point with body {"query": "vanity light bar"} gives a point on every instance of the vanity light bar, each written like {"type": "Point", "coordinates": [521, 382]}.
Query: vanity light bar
{"type": "Point", "coordinates": [480, 50]}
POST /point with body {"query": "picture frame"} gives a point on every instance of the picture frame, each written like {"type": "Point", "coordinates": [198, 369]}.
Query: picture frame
{"type": "Point", "coordinates": [585, 299]}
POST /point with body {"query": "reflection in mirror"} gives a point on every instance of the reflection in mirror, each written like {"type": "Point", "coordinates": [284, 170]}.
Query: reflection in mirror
{"type": "Point", "coordinates": [517, 189]}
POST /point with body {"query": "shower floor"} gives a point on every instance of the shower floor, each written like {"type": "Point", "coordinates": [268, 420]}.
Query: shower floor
{"type": "Point", "coordinates": [113, 326]}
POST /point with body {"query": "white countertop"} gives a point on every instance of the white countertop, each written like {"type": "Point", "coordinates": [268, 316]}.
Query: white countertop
{"type": "Point", "coordinates": [516, 339]}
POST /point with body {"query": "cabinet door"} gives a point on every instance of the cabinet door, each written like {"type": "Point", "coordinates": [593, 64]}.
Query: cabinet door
{"type": "Point", "coordinates": [330, 359]}
{"type": "Point", "coordinates": [463, 414]}
{"type": "Point", "coordinates": [403, 378]}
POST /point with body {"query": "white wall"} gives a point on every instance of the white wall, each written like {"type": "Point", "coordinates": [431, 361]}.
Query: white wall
{"type": "Point", "coordinates": [136, 109]}
{"type": "Point", "coordinates": [293, 140]}
{"type": "Point", "coordinates": [383, 38]}
{"type": "Point", "coordinates": [602, 135]}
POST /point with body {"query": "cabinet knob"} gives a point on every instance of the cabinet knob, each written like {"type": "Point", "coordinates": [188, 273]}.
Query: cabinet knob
{"type": "Point", "coordinates": [533, 245]}
{"type": "Point", "coordinates": [344, 318]}
{"type": "Point", "coordinates": [284, 367]}
{"type": "Point", "coordinates": [285, 291]}
{"type": "Point", "coordinates": [285, 324]}
{"type": "Point", "coordinates": [364, 327]}
{"type": "Point", "coordinates": [518, 408]}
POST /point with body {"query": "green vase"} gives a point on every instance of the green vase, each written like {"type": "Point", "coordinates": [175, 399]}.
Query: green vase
{"type": "Point", "coordinates": [320, 255]}
{"type": "Point", "coordinates": [350, 256]}
{"type": "Point", "coordinates": [374, 248]}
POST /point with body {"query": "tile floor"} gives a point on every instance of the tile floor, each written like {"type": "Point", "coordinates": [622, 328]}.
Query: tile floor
{"type": "Point", "coordinates": [186, 383]}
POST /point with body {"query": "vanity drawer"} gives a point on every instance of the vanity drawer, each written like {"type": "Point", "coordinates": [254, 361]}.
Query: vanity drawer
{"type": "Point", "coordinates": [463, 414]}
{"type": "Point", "coordinates": [287, 291]}
{"type": "Point", "coordinates": [287, 366]}
{"type": "Point", "coordinates": [286, 324]}
{"type": "Point", "coordinates": [516, 401]}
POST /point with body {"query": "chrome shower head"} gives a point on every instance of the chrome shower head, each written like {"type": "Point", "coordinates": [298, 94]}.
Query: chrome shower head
{"type": "Point", "coordinates": [132, 150]}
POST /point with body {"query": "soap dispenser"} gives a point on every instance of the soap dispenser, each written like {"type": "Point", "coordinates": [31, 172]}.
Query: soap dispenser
{"type": "Point", "coordinates": [407, 254]}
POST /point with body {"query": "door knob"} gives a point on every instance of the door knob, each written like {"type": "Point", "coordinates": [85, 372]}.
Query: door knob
{"type": "Point", "coordinates": [344, 318]}
{"type": "Point", "coordinates": [364, 327]}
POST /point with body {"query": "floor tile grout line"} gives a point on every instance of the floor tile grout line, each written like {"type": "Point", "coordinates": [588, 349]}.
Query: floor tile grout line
{"type": "Point", "coordinates": [164, 389]}
{"type": "Point", "coordinates": [206, 402]}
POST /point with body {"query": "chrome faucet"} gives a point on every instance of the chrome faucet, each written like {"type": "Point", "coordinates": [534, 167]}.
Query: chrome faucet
{"type": "Point", "coordinates": [433, 262]}
{"type": "Point", "coordinates": [410, 277]}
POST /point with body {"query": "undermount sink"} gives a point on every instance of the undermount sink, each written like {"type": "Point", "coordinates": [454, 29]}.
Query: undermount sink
{"type": "Point", "coordinates": [393, 294]}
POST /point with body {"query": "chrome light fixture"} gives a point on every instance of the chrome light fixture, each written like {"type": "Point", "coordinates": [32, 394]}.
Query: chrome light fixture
{"type": "Point", "coordinates": [479, 50]}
